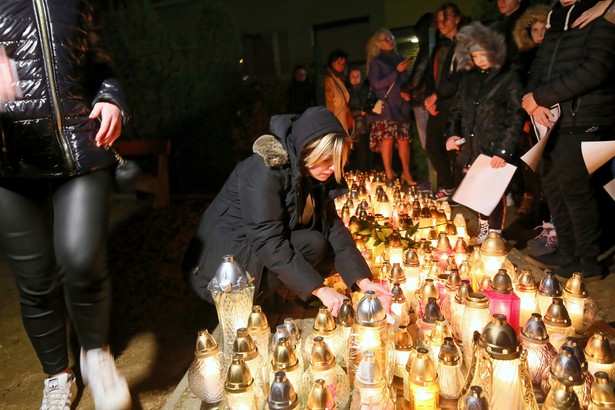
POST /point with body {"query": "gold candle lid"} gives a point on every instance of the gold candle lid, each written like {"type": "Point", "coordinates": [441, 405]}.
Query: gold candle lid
{"type": "Point", "coordinates": [450, 229]}
{"type": "Point", "coordinates": [525, 281]}
{"type": "Point", "coordinates": [464, 269]}
{"type": "Point", "coordinates": [557, 315]}
{"type": "Point", "coordinates": [283, 357]}
{"type": "Point", "coordinates": [603, 391]}
{"type": "Point", "coordinates": [320, 397]}
{"type": "Point", "coordinates": [244, 345]}
{"type": "Point", "coordinates": [444, 244]}
{"type": "Point", "coordinates": [403, 339]}
{"type": "Point", "coordinates": [535, 330]}
{"type": "Point", "coordinates": [282, 395]}
{"type": "Point", "coordinates": [502, 283]}
{"type": "Point", "coordinates": [599, 350]}
{"type": "Point", "coordinates": [485, 283]}
{"type": "Point", "coordinates": [423, 372]}
{"type": "Point", "coordinates": [463, 291]}
{"type": "Point", "coordinates": [566, 367]}
{"type": "Point", "coordinates": [432, 235]}
{"type": "Point", "coordinates": [411, 258]}
{"type": "Point", "coordinates": [575, 286]}
{"type": "Point", "coordinates": [324, 323]}
{"type": "Point", "coordinates": [454, 280]}
{"type": "Point", "coordinates": [429, 290]}
{"type": "Point", "coordinates": [460, 246]}
{"type": "Point", "coordinates": [321, 357]}
{"type": "Point", "coordinates": [345, 317]}
{"type": "Point", "coordinates": [257, 321]}
{"type": "Point", "coordinates": [439, 332]}
{"type": "Point", "coordinates": [206, 345]}
{"type": "Point", "coordinates": [477, 300]}
{"type": "Point", "coordinates": [368, 373]}
{"type": "Point", "coordinates": [493, 245]}
{"type": "Point", "coordinates": [432, 311]}
{"type": "Point", "coordinates": [395, 240]}
{"type": "Point", "coordinates": [449, 353]}
{"type": "Point", "coordinates": [398, 294]}
{"type": "Point", "coordinates": [562, 397]}
{"type": "Point", "coordinates": [500, 340]}
{"type": "Point", "coordinates": [573, 343]}
{"type": "Point", "coordinates": [385, 269]}
{"type": "Point", "coordinates": [397, 274]}
{"type": "Point", "coordinates": [238, 379]}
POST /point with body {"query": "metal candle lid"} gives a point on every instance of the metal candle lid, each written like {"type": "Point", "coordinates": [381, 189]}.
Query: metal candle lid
{"type": "Point", "coordinates": [282, 396]}
{"type": "Point", "coordinates": [321, 357]}
{"type": "Point", "coordinates": [324, 323]}
{"type": "Point", "coordinates": [449, 353]}
{"type": "Point", "coordinates": [493, 245]}
{"type": "Point", "coordinates": [460, 246]}
{"type": "Point", "coordinates": [439, 332]}
{"type": "Point", "coordinates": [549, 285]}
{"type": "Point", "coordinates": [599, 350]}
{"type": "Point", "coordinates": [320, 397]}
{"type": "Point", "coordinates": [429, 290]}
{"type": "Point", "coordinates": [411, 258]}
{"type": "Point", "coordinates": [403, 339]}
{"type": "Point", "coordinates": [477, 301]}
{"type": "Point", "coordinates": [500, 340]}
{"type": "Point", "coordinates": [603, 391]}
{"type": "Point", "coordinates": [432, 311]}
{"type": "Point", "coordinates": [206, 345]}
{"type": "Point", "coordinates": [573, 343]}
{"type": "Point", "coordinates": [557, 315]}
{"type": "Point", "coordinates": [561, 396]}
{"type": "Point", "coordinates": [475, 399]}
{"type": "Point", "coordinates": [368, 373]}
{"type": "Point", "coordinates": [450, 228]}
{"type": "Point", "coordinates": [575, 286]}
{"type": "Point", "coordinates": [280, 332]}
{"type": "Point", "coordinates": [370, 311]}
{"type": "Point", "coordinates": [464, 269]}
{"type": "Point", "coordinates": [423, 372]}
{"type": "Point", "coordinates": [397, 274]}
{"type": "Point", "coordinates": [283, 356]}
{"type": "Point", "coordinates": [463, 291]}
{"type": "Point", "coordinates": [444, 244]}
{"type": "Point", "coordinates": [535, 330]}
{"type": "Point", "coordinates": [502, 283]}
{"type": "Point", "coordinates": [244, 345]}
{"type": "Point", "coordinates": [345, 317]}
{"type": "Point", "coordinates": [398, 294]}
{"type": "Point", "coordinates": [566, 367]}
{"type": "Point", "coordinates": [257, 321]}
{"type": "Point", "coordinates": [293, 330]}
{"type": "Point", "coordinates": [454, 280]}
{"type": "Point", "coordinates": [525, 281]}
{"type": "Point", "coordinates": [229, 277]}
{"type": "Point", "coordinates": [238, 379]}
{"type": "Point", "coordinates": [385, 270]}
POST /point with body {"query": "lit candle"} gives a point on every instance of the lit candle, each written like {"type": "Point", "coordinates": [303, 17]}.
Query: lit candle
{"type": "Point", "coordinates": [548, 289]}
{"type": "Point", "coordinates": [205, 372]}
{"type": "Point", "coordinates": [258, 327]}
{"type": "Point", "coordinates": [475, 317]}
{"type": "Point", "coordinates": [599, 354]}
{"type": "Point", "coordinates": [241, 393]}
{"type": "Point", "coordinates": [493, 253]}
{"type": "Point", "coordinates": [558, 323]}
{"type": "Point", "coordinates": [403, 347]}
{"type": "Point", "coordinates": [449, 369]}
{"type": "Point", "coordinates": [581, 308]}
{"type": "Point", "coordinates": [370, 388]}
{"type": "Point", "coordinates": [423, 382]}
{"type": "Point", "coordinates": [525, 288]}
{"type": "Point", "coordinates": [540, 354]}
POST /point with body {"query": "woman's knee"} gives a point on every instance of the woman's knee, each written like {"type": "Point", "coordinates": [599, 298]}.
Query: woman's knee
{"type": "Point", "coordinates": [312, 244]}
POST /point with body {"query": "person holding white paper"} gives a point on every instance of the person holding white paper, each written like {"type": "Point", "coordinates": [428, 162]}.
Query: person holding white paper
{"type": "Point", "coordinates": [574, 68]}
{"type": "Point", "coordinates": [487, 113]}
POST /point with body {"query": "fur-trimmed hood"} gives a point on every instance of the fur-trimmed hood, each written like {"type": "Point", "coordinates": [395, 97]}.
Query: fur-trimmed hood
{"type": "Point", "coordinates": [521, 31]}
{"type": "Point", "coordinates": [271, 150]}
{"type": "Point", "coordinates": [477, 36]}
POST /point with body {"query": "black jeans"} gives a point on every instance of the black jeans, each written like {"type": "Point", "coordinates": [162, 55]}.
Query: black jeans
{"type": "Point", "coordinates": [449, 173]}
{"type": "Point", "coordinates": [53, 234]}
{"type": "Point", "coordinates": [571, 196]}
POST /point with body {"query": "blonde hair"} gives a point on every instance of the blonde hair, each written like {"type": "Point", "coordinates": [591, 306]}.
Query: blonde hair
{"type": "Point", "coordinates": [333, 146]}
{"type": "Point", "coordinates": [373, 45]}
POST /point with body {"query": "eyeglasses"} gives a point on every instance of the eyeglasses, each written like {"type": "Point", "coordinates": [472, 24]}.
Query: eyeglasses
{"type": "Point", "coordinates": [388, 38]}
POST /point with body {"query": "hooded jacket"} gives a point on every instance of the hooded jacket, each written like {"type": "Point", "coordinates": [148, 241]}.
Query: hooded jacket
{"type": "Point", "coordinates": [261, 203]}
{"type": "Point", "coordinates": [62, 73]}
{"type": "Point", "coordinates": [575, 67]}
{"type": "Point", "coordinates": [487, 111]}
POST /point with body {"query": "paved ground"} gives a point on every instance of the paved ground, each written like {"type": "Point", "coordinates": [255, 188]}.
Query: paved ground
{"type": "Point", "coordinates": [156, 317]}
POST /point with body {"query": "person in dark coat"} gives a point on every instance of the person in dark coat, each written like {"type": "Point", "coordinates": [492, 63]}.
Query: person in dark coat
{"type": "Point", "coordinates": [276, 215]}
{"type": "Point", "coordinates": [55, 186]}
{"type": "Point", "coordinates": [487, 111]}
{"type": "Point", "coordinates": [574, 68]}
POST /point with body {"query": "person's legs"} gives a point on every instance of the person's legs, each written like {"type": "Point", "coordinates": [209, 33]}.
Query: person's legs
{"type": "Point", "coordinates": [315, 248]}
{"type": "Point", "coordinates": [26, 239]}
{"type": "Point", "coordinates": [403, 149]}
{"type": "Point", "coordinates": [421, 115]}
{"type": "Point", "coordinates": [386, 147]}
{"type": "Point", "coordinates": [437, 154]}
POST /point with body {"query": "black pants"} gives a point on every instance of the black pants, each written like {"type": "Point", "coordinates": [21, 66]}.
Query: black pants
{"type": "Point", "coordinates": [449, 173]}
{"type": "Point", "coordinates": [314, 247]}
{"type": "Point", "coordinates": [53, 234]}
{"type": "Point", "coordinates": [571, 196]}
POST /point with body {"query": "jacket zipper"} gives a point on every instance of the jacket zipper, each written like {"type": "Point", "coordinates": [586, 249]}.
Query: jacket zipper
{"type": "Point", "coordinates": [42, 16]}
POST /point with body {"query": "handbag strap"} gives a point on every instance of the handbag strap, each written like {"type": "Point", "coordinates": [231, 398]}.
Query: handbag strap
{"type": "Point", "coordinates": [389, 90]}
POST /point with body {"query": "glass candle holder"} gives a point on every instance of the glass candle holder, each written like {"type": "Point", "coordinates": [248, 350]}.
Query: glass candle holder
{"type": "Point", "coordinates": [493, 253]}
{"type": "Point", "coordinates": [245, 347]}
{"type": "Point", "coordinates": [370, 387]}
{"type": "Point", "coordinates": [399, 306]}
{"type": "Point", "coordinates": [403, 347]}
{"type": "Point", "coordinates": [525, 289]}
{"type": "Point", "coordinates": [475, 317]}
{"type": "Point", "coordinates": [282, 394]}
{"type": "Point", "coordinates": [450, 375]}
{"type": "Point", "coordinates": [602, 392]}
{"type": "Point", "coordinates": [557, 322]}
{"type": "Point", "coordinates": [548, 289]}
{"type": "Point", "coordinates": [540, 354]}
{"type": "Point", "coordinates": [457, 308]}
{"type": "Point", "coordinates": [599, 355]}
{"type": "Point", "coordinates": [258, 328]}
{"type": "Point", "coordinates": [205, 372]}
{"type": "Point", "coordinates": [581, 308]}
{"type": "Point", "coordinates": [423, 382]}
{"type": "Point", "coordinates": [241, 392]}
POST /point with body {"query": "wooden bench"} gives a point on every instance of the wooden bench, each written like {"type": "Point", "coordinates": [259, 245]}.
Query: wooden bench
{"type": "Point", "coordinates": [158, 184]}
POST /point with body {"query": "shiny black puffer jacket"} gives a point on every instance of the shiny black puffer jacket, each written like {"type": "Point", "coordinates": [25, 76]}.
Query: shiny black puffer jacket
{"type": "Point", "coordinates": [62, 74]}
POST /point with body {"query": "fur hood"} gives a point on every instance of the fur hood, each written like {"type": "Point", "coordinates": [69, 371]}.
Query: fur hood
{"type": "Point", "coordinates": [521, 32]}
{"type": "Point", "coordinates": [473, 36]}
{"type": "Point", "coordinates": [271, 150]}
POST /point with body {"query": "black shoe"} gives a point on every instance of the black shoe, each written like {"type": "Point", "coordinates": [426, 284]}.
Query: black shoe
{"type": "Point", "coordinates": [453, 203]}
{"type": "Point", "coordinates": [590, 269]}
{"type": "Point", "coordinates": [550, 260]}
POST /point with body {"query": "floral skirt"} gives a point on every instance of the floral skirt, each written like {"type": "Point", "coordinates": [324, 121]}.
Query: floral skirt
{"type": "Point", "coordinates": [386, 129]}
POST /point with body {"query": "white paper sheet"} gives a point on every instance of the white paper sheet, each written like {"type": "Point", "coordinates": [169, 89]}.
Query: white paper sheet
{"type": "Point", "coordinates": [597, 153]}
{"type": "Point", "coordinates": [483, 186]}
{"type": "Point", "coordinates": [532, 157]}
{"type": "Point", "coordinates": [610, 188]}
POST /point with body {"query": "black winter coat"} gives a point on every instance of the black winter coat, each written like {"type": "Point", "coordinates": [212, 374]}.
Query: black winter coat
{"type": "Point", "coordinates": [446, 86]}
{"type": "Point", "coordinates": [62, 73]}
{"type": "Point", "coordinates": [261, 203]}
{"type": "Point", "coordinates": [488, 114]}
{"type": "Point", "coordinates": [576, 68]}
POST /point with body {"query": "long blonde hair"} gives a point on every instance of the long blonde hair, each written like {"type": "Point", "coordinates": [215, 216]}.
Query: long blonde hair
{"type": "Point", "coordinates": [332, 146]}
{"type": "Point", "coordinates": [373, 45]}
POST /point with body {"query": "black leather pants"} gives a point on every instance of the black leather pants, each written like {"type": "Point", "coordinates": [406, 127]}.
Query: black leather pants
{"type": "Point", "coordinates": [53, 235]}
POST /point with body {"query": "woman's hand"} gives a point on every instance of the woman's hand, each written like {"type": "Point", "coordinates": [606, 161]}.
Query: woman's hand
{"type": "Point", "coordinates": [330, 298]}
{"type": "Point", "coordinates": [403, 66]}
{"type": "Point", "coordinates": [430, 104]}
{"type": "Point", "coordinates": [405, 96]}
{"type": "Point", "coordinates": [528, 103]}
{"type": "Point", "coordinates": [592, 13]}
{"type": "Point", "coordinates": [543, 116]}
{"type": "Point", "coordinates": [450, 143]}
{"type": "Point", "coordinates": [110, 123]}
{"type": "Point", "coordinates": [382, 292]}
{"type": "Point", "coordinates": [497, 162]}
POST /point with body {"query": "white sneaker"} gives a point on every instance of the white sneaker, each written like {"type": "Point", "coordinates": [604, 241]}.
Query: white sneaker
{"type": "Point", "coordinates": [60, 391]}
{"type": "Point", "coordinates": [483, 231]}
{"type": "Point", "coordinates": [109, 388]}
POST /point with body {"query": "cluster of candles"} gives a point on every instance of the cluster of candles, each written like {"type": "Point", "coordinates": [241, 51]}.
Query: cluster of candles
{"type": "Point", "coordinates": [463, 326]}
